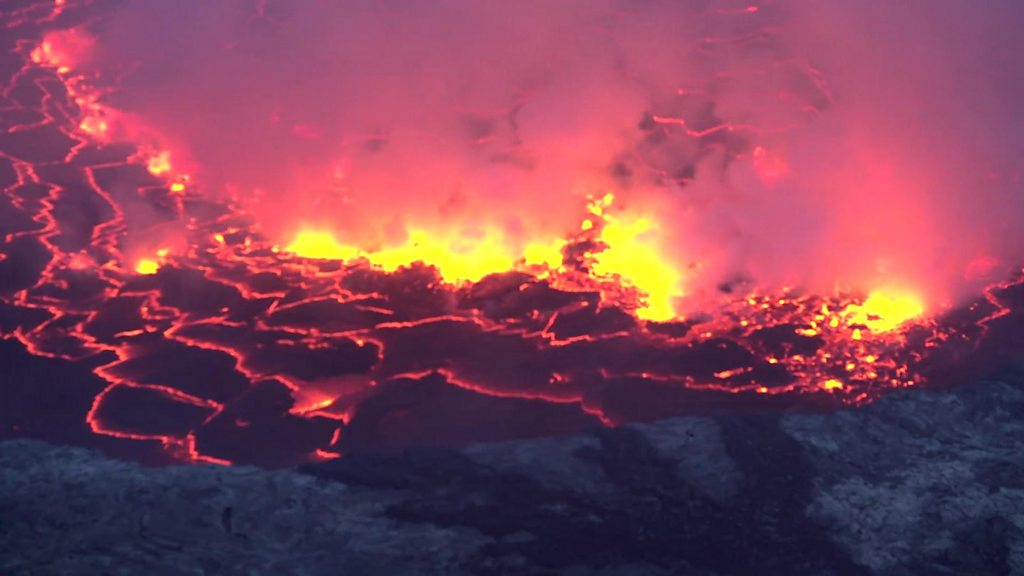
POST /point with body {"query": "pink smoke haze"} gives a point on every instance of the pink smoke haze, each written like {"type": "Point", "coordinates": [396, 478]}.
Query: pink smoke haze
{"type": "Point", "coordinates": [800, 143]}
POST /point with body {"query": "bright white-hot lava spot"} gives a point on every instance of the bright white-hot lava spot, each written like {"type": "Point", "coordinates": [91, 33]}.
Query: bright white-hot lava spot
{"type": "Point", "coordinates": [186, 312]}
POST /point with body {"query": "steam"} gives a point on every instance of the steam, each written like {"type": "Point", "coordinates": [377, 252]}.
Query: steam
{"type": "Point", "coordinates": [800, 143]}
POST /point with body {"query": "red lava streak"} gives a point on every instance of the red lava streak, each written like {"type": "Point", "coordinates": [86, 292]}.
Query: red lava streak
{"type": "Point", "coordinates": [180, 326]}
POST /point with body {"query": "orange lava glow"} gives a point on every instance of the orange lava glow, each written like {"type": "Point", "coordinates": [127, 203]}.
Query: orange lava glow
{"type": "Point", "coordinates": [61, 49]}
{"type": "Point", "coordinates": [147, 266]}
{"type": "Point", "coordinates": [632, 254]}
{"type": "Point", "coordinates": [628, 253]}
{"type": "Point", "coordinates": [320, 245]}
{"type": "Point", "coordinates": [307, 336]}
{"type": "Point", "coordinates": [884, 311]}
{"type": "Point", "coordinates": [150, 265]}
{"type": "Point", "coordinates": [832, 384]}
{"type": "Point", "coordinates": [159, 163]}
{"type": "Point", "coordinates": [456, 261]}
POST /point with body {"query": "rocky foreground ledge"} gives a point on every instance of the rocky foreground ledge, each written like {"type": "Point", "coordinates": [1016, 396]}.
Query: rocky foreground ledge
{"type": "Point", "coordinates": [918, 483]}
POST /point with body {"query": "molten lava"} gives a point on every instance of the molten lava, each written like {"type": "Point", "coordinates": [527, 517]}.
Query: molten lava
{"type": "Point", "coordinates": [630, 253]}
{"type": "Point", "coordinates": [883, 311]}
{"type": "Point", "coordinates": [183, 326]}
{"type": "Point", "coordinates": [147, 266]}
{"type": "Point", "coordinates": [623, 250]}
{"type": "Point", "coordinates": [321, 245]}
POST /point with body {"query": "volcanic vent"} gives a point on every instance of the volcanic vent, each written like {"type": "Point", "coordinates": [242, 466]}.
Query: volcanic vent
{"type": "Point", "coordinates": [259, 232]}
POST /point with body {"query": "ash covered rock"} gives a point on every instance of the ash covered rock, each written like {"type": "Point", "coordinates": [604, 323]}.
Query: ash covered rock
{"type": "Point", "coordinates": [917, 483]}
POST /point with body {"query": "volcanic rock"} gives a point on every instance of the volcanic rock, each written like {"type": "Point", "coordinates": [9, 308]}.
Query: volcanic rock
{"type": "Point", "coordinates": [921, 482]}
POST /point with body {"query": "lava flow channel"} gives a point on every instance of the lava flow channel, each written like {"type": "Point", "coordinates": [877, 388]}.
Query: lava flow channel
{"type": "Point", "coordinates": [146, 314]}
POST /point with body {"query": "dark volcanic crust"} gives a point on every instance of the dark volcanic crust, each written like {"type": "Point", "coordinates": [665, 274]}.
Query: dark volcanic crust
{"type": "Point", "coordinates": [917, 483]}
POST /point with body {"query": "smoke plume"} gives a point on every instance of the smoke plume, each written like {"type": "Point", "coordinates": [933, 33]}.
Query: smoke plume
{"type": "Point", "coordinates": [814, 144]}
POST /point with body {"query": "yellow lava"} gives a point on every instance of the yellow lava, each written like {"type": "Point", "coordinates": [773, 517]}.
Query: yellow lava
{"type": "Point", "coordinates": [146, 266]}
{"type": "Point", "coordinates": [320, 245]}
{"type": "Point", "coordinates": [633, 255]}
{"type": "Point", "coordinates": [94, 126]}
{"type": "Point", "coordinates": [159, 163]}
{"type": "Point", "coordinates": [832, 384]}
{"type": "Point", "coordinates": [541, 254]}
{"type": "Point", "coordinates": [456, 260]}
{"type": "Point", "coordinates": [883, 310]}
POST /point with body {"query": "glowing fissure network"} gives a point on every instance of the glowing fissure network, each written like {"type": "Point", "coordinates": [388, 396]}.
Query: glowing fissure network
{"type": "Point", "coordinates": [210, 343]}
